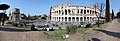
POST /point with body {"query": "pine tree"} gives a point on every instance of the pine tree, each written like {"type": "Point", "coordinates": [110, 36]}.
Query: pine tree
{"type": "Point", "coordinates": [107, 13]}
{"type": "Point", "coordinates": [112, 14]}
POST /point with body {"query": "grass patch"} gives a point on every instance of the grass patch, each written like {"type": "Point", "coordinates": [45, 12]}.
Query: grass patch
{"type": "Point", "coordinates": [25, 27]}
{"type": "Point", "coordinates": [57, 34]}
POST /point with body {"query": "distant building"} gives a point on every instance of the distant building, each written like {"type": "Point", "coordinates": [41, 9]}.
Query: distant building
{"type": "Point", "coordinates": [15, 15]}
{"type": "Point", "coordinates": [70, 13]}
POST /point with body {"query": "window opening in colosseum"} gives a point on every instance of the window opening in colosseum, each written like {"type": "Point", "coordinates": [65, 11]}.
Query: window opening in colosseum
{"type": "Point", "coordinates": [65, 18]}
{"type": "Point", "coordinates": [69, 18]}
{"type": "Point", "coordinates": [84, 11]}
{"type": "Point", "coordinates": [73, 19]}
{"type": "Point", "coordinates": [81, 19]}
{"type": "Point", "coordinates": [59, 18]}
{"type": "Point", "coordinates": [90, 11]}
{"type": "Point", "coordinates": [87, 18]}
{"type": "Point", "coordinates": [78, 11]}
{"type": "Point", "coordinates": [84, 18]}
{"type": "Point", "coordinates": [65, 12]}
{"type": "Point", "coordinates": [68, 10]}
{"type": "Point", "coordinates": [77, 18]}
{"type": "Point", "coordinates": [90, 18]}
{"type": "Point", "coordinates": [62, 18]}
{"type": "Point", "coordinates": [59, 12]}
{"type": "Point", "coordinates": [87, 11]}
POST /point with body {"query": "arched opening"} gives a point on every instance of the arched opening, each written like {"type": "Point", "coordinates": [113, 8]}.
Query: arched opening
{"type": "Point", "coordinates": [84, 18]}
{"type": "Point", "coordinates": [69, 18]}
{"type": "Point", "coordinates": [62, 18]}
{"type": "Point", "coordinates": [78, 11]}
{"type": "Point", "coordinates": [73, 19]}
{"type": "Point", "coordinates": [62, 12]}
{"type": "Point", "coordinates": [65, 12]}
{"type": "Point", "coordinates": [59, 12]}
{"type": "Point", "coordinates": [65, 18]}
{"type": "Point", "coordinates": [55, 18]}
{"type": "Point", "coordinates": [68, 10]}
{"type": "Point", "coordinates": [87, 18]}
{"type": "Point", "coordinates": [90, 18]}
{"type": "Point", "coordinates": [81, 19]}
{"type": "Point", "coordinates": [77, 19]}
{"type": "Point", "coordinates": [59, 18]}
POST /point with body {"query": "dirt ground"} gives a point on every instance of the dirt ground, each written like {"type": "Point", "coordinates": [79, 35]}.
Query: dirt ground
{"type": "Point", "coordinates": [107, 32]}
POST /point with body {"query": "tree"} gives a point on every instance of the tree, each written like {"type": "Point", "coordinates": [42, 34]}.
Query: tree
{"type": "Point", "coordinates": [118, 15]}
{"type": "Point", "coordinates": [112, 14]}
{"type": "Point", "coordinates": [3, 7]}
{"type": "Point", "coordinates": [101, 8]}
{"type": "Point", "coordinates": [107, 12]}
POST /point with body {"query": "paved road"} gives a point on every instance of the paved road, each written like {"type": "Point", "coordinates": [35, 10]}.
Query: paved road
{"type": "Point", "coordinates": [109, 32]}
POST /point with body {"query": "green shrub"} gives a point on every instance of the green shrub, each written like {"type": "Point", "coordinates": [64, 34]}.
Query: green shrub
{"type": "Point", "coordinates": [14, 24]}
{"type": "Point", "coordinates": [71, 29]}
{"type": "Point", "coordinates": [79, 26]}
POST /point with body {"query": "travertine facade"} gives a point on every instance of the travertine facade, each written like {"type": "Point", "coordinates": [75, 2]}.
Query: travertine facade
{"type": "Point", "coordinates": [69, 13]}
{"type": "Point", "coordinates": [15, 15]}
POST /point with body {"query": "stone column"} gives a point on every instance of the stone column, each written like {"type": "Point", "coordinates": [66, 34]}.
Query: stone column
{"type": "Point", "coordinates": [89, 18]}
{"type": "Point", "coordinates": [83, 11]}
{"type": "Point", "coordinates": [83, 19]}
{"type": "Point", "coordinates": [58, 19]}
{"type": "Point", "coordinates": [75, 19]}
{"type": "Point", "coordinates": [79, 11]}
{"type": "Point", "coordinates": [63, 19]}
{"type": "Point", "coordinates": [67, 19]}
{"type": "Point", "coordinates": [67, 11]}
{"type": "Point", "coordinates": [79, 19]}
{"type": "Point", "coordinates": [71, 19]}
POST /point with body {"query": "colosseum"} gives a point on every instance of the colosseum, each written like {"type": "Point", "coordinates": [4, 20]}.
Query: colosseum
{"type": "Point", "coordinates": [71, 13]}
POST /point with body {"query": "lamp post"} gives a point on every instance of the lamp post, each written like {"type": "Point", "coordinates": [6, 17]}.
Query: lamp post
{"type": "Point", "coordinates": [3, 7]}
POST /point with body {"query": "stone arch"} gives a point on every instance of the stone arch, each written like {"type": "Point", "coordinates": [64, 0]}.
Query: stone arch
{"type": "Point", "coordinates": [59, 12]}
{"type": "Point", "coordinates": [81, 19]}
{"type": "Point", "coordinates": [87, 18]}
{"type": "Point", "coordinates": [69, 11]}
{"type": "Point", "coordinates": [69, 18]}
{"type": "Point", "coordinates": [77, 18]}
{"type": "Point", "coordinates": [59, 18]}
{"type": "Point", "coordinates": [90, 18]}
{"type": "Point", "coordinates": [65, 18]}
{"type": "Point", "coordinates": [84, 18]}
{"type": "Point", "coordinates": [62, 18]}
{"type": "Point", "coordinates": [73, 19]}
{"type": "Point", "coordinates": [65, 12]}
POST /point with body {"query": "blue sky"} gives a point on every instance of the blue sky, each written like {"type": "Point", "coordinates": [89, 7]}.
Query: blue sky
{"type": "Point", "coordinates": [38, 7]}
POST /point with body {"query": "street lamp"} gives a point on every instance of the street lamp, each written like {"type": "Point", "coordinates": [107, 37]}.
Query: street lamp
{"type": "Point", "coordinates": [3, 7]}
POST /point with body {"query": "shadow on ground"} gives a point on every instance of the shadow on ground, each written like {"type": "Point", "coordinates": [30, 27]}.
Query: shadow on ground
{"type": "Point", "coordinates": [94, 39]}
{"type": "Point", "coordinates": [114, 34]}
{"type": "Point", "coordinates": [12, 29]}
